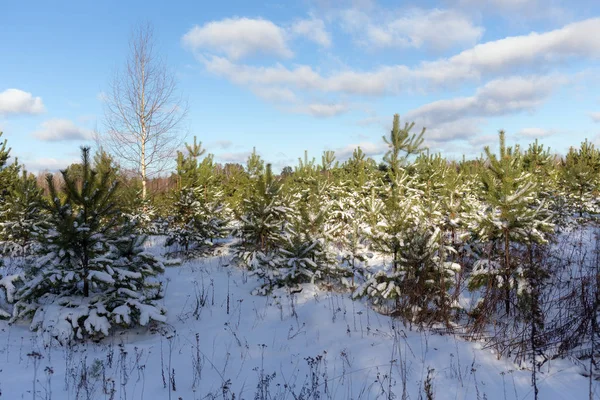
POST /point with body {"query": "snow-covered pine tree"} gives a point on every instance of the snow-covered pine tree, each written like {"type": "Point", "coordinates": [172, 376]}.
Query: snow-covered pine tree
{"type": "Point", "coordinates": [347, 217]}
{"type": "Point", "coordinates": [446, 201]}
{"type": "Point", "coordinates": [391, 224]}
{"type": "Point", "coordinates": [261, 228]}
{"type": "Point", "coordinates": [8, 287]}
{"type": "Point", "coordinates": [328, 199]}
{"type": "Point", "coordinates": [142, 215]}
{"type": "Point", "coordinates": [421, 271]}
{"type": "Point", "coordinates": [328, 163]}
{"type": "Point", "coordinates": [201, 214]}
{"type": "Point", "coordinates": [188, 171]}
{"type": "Point", "coordinates": [235, 183]}
{"type": "Point", "coordinates": [23, 218]}
{"type": "Point", "coordinates": [360, 172]}
{"type": "Point", "coordinates": [393, 214]}
{"type": "Point", "coordinates": [93, 272]}
{"type": "Point", "coordinates": [307, 253]}
{"type": "Point", "coordinates": [402, 144]}
{"type": "Point", "coordinates": [430, 173]}
{"type": "Point", "coordinates": [104, 164]}
{"type": "Point", "coordinates": [182, 230]}
{"type": "Point", "coordinates": [541, 163]}
{"type": "Point", "coordinates": [9, 173]}
{"type": "Point", "coordinates": [581, 179]}
{"type": "Point", "coordinates": [510, 217]}
{"type": "Point", "coordinates": [255, 166]}
{"type": "Point", "coordinates": [458, 201]}
{"type": "Point", "coordinates": [199, 221]}
{"type": "Point", "coordinates": [545, 169]}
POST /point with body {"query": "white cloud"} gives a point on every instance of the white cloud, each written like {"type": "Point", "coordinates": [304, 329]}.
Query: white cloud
{"type": "Point", "coordinates": [332, 4]}
{"type": "Point", "coordinates": [462, 129]}
{"type": "Point", "coordinates": [47, 164]}
{"type": "Point", "coordinates": [520, 12]}
{"type": "Point", "coordinates": [492, 58]}
{"type": "Point", "coordinates": [595, 116]}
{"type": "Point", "coordinates": [502, 4]}
{"type": "Point", "coordinates": [578, 39]}
{"type": "Point", "coordinates": [304, 77]}
{"type": "Point", "coordinates": [239, 38]}
{"type": "Point", "coordinates": [413, 28]}
{"type": "Point", "coordinates": [301, 77]}
{"type": "Point", "coordinates": [280, 83]}
{"type": "Point", "coordinates": [62, 129]}
{"type": "Point", "coordinates": [369, 148]}
{"type": "Point", "coordinates": [484, 140]}
{"type": "Point", "coordinates": [322, 110]}
{"type": "Point", "coordinates": [239, 157]}
{"type": "Point", "coordinates": [461, 118]}
{"type": "Point", "coordinates": [375, 120]}
{"type": "Point", "coordinates": [536, 132]}
{"type": "Point", "coordinates": [497, 97]}
{"type": "Point", "coordinates": [314, 30]}
{"type": "Point", "coordinates": [15, 101]}
{"type": "Point", "coordinates": [222, 144]}
{"type": "Point", "coordinates": [274, 94]}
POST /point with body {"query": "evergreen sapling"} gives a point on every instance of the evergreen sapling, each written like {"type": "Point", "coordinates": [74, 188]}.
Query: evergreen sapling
{"type": "Point", "coordinates": [93, 272]}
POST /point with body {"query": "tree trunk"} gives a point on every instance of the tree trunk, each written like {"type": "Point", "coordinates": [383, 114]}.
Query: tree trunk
{"type": "Point", "coordinates": [144, 190]}
{"type": "Point", "coordinates": [85, 265]}
{"type": "Point", "coordinates": [507, 272]}
{"type": "Point", "coordinates": [144, 133]}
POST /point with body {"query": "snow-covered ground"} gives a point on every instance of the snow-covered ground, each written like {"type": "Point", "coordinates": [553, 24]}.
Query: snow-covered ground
{"type": "Point", "coordinates": [223, 342]}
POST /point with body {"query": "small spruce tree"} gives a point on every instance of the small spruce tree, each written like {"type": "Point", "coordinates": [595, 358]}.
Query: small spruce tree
{"type": "Point", "coordinates": [511, 216]}
{"type": "Point", "coordinates": [23, 218]}
{"type": "Point", "coordinates": [308, 253]}
{"type": "Point", "coordinates": [9, 173]}
{"type": "Point", "coordinates": [581, 179]}
{"type": "Point", "coordinates": [92, 272]}
{"type": "Point", "coordinates": [261, 228]}
{"type": "Point", "coordinates": [201, 214]}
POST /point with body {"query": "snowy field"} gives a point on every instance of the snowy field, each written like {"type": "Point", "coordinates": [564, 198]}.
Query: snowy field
{"type": "Point", "coordinates": [221, 342]}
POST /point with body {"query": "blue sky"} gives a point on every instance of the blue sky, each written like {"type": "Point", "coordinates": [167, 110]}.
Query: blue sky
{"type": "Point", "coordinates": [310, 75]}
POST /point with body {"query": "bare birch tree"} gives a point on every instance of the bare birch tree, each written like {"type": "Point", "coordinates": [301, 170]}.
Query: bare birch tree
{"type": "Point", "coordinates": [143, 111]}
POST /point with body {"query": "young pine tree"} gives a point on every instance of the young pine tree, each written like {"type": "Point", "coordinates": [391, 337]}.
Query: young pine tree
{"type": "Point", "coordinates": [9, 173]}
{"type": "Point", "coordinates": [255, 166]}
{"type": "Point", "coordinates": [357, 172]}
{"type": "Point", "coordinates": [261, 229]}
{"type": "Point", "coordinates": [201, 215]}
{"type": "Point", "coordinates": [402, 144]}
{"type": "Point", "coordinates": [308, 252]}
{"type": "Point", "coordinates": [422, 271]}
{"type": "Point", "coordinates": [511, 217]}
{"type": "Point", "coordinates": [92, 272]}
{"type": "Point", "coordinates": [23, 218]}
{"type": "Point", "coordinates": [405, 230]}
{"type": "Point", "coordinates": [581, 180]}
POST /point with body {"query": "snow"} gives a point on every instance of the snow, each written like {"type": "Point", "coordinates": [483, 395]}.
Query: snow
{"type": "Point", "coordinates": [121, 314]}
{"type": "Point", "coordinates": [101, 277]}
{"type": "Point", "coordinates": [97, 323]}
{"type": "Point", "coordinates": [8, 285]}
{"type": "Point", "coordinates": [149, 312]}
{"type": "Point", "coordinates": [220, 340]}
